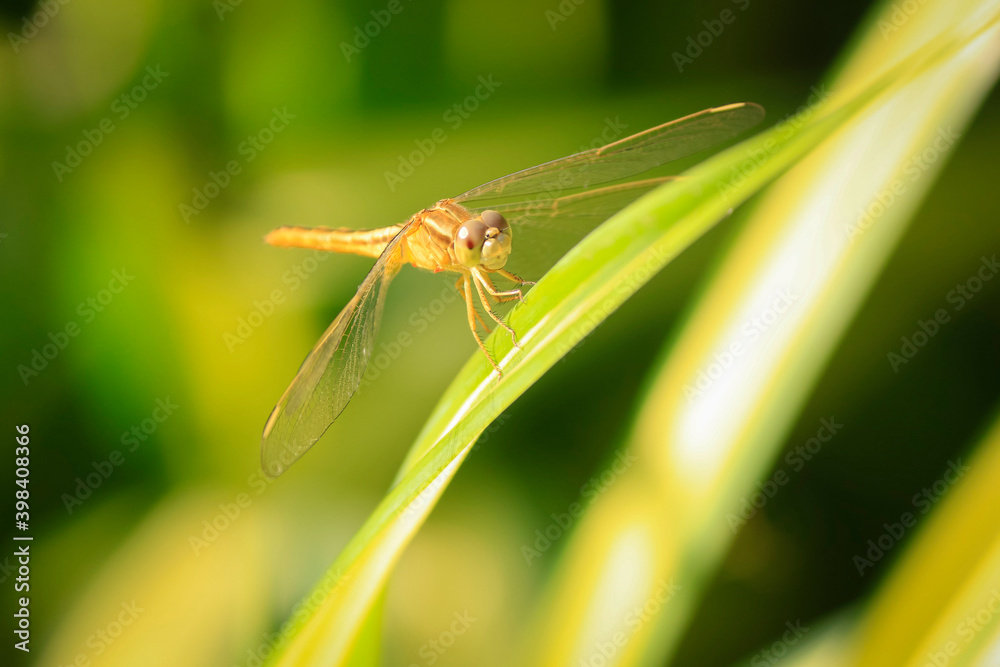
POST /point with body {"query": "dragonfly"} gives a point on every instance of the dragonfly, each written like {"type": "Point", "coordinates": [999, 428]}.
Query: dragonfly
{"type": "Point", "coordinates": [548, 207]}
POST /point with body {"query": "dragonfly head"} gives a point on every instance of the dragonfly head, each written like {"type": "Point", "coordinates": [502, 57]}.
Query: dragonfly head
{"type": "Point", "coordinates": [483, 240]}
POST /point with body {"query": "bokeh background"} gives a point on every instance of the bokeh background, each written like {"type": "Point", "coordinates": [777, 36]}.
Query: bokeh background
{"type": "Point", "coordinates": [215, 322]}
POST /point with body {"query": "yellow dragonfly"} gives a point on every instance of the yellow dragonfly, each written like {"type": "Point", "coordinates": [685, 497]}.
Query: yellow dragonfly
{"type": "Point", "coordinates": [550, 207]}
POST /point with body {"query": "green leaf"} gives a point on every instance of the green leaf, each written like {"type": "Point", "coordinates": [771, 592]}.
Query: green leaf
{"type": "Point", "coordinates": [943, 598]}
{"type": "Point", "coordinates": [704, 439]}
{"type": "Point", "coordinates": [940, 603]}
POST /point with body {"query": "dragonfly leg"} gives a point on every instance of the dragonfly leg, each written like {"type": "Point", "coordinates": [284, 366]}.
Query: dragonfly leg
{"type": "Point", "coordinates": [479, 318]}
{"type": "Point", "coordinates": [478, 278]}
{"type": "Point", "coordinates": [491, 289]}
{"type": "Point", "coordinates": [513, 277]}
{"type": "Point", "coordinates": [473, 316]}
{"type": "Point", "coordinates": [462, 283]}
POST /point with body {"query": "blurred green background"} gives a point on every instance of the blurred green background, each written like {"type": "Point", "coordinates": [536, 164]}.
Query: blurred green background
{"type": "Point", "coordinates": [354, 113]}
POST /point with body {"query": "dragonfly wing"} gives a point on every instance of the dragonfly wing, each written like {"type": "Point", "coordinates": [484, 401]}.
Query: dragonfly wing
{"type": "Point", "coordinates": [545, 230]}
{"type": "Point", "coordinates": [629, 156]}
{"type": "Point", "coordinates": [332, 372]}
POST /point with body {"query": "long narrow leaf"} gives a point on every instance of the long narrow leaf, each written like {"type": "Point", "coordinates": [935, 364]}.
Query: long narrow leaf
{"type": "Point", "coordinates": [706, 436]}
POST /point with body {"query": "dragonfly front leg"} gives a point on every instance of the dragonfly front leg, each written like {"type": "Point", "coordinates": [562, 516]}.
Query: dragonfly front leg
{"type": "Point", "coordinates": [480, 284]}
{"type": "Point", "coordinates": [513, 277]}
{"type": "Point", "coordinates": [473, 316]}
{"type": "Point", "coordinates": [491, 289]}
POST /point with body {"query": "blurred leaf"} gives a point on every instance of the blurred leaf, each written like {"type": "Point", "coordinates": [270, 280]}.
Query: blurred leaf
{"type": "Point", "coordinates": [263, 46]}
{"type": "Point", "coordinates": [82, 54]}
{"type": "Point", "coordinates": [941, 604]}
{"type": "Point", "coordinates": [159, 602]}
{"type": "Point", "coordinates": [716, 414]}
{"type": "Point", "coordinates": [569, 37]}
{"type": "Point", "coordinates": [828, 645]}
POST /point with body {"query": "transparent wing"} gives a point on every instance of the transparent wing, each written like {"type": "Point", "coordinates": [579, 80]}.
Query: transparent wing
{"type": "Point", "coordinates": [544, 231]}
{"type": "Point", "coordinates": [332, 372]}
{"type": "Point", "coordinates": [621, 159]}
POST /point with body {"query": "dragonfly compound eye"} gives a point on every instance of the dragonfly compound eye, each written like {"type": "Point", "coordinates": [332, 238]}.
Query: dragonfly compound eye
{"type": "Point", "coordinates": [494, 219]}
{"type": "Point", "coordinates": [496, 247]}
{"type": "Point", "coordinates": [469, 240]}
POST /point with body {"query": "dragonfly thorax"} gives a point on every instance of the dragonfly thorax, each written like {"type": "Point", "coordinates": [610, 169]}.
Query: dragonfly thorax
{"type": "Point", "coordinates": [483, 241]}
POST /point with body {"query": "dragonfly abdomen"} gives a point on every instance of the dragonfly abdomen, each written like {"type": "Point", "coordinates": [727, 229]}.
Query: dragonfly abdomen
{"type": "Point", "coordinates": [366, 242]}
